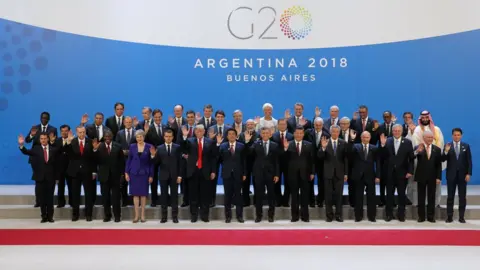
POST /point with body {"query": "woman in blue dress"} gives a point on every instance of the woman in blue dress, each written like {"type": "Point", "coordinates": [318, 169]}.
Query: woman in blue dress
{"type": "Point", "coordinates": [139, 173]}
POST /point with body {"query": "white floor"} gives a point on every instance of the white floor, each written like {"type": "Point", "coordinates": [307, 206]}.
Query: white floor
{"type": "Point", "coordinates": [238, 257]}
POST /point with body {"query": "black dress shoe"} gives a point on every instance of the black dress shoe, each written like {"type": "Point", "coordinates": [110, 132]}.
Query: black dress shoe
{"type": "Point", "coordinates": [240, 220]}
{"type": "Point", "coordinates": [401, 219]}
{"type": "Point", "coordinates": [124, 204]}
{"type": "Point", "coordinates": [107, 219]}
{"type": "Point", "coordinates": [462, 220]}
{"type": "Point", "coordinates": [228, 219]}
{"type": "Point", "coordinates": [184, 204]}
{"type": "Point", "coordinates": [258, 219]}
{"type": "Point", "coordinates": [44, 220]}
{"type": "Point", "coordinates": [175, 220]}
{"type": "Point", "coordinates": [358, 219]}
{"type": "Point", "coordinates": [320, 205]}
{"type": "Point", "coordinates": [61, 205]}
{"type": "Point", "coordinates": [278, 205]}
{"type": "Point", "coordinates": [213, 205]}
{"type": "Point", "coordinates": [286, 205]}
{"type": "Point", "coordinates": [388, 218]}
{"type": "Point", "coordinates": [163, 220]}
{"type": "Point", "coordinates": [381, 205]}
{"type": "Point", "coordinates": [117, 220]}
{"type": "Point", "coordinates": [294, 219]}
{"type": "Point", "coordinates": [88, 219]}
{"type": "Point", "coordinates": [50, 220]}
{"type": "Point", "coordinates": [36, 205]}
{"type": "Point", "coordinates": [74, 219]}
{"type": "Point", "coordinates": [194, 219]}
{"type": "Point", "coordinates": [449, 220]}
{"type": "Point", "coordinates": [339, 219]}
{"type": "Point", "coordinates": [420, 220]}
{"type": "Point", "coordinates": [329, 219]}
{"type": "Point", "coordinates": [312, 205]}
{"type": "Point", "coordinates": [206, 220]}
{"type": "Point", "coordinates": [153, 205]}
{"type": "Point", "coordinates": [305, 219]}
{"type": "Point", "coordinates": [271, 219]}
{"type": "Point", "coordinates": [372, 220]}
{"type": "Point", "coordinates": [431, 220]}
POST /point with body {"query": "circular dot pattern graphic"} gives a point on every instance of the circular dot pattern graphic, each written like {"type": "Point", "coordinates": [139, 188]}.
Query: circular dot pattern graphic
{"type": "Point", "coordinates": [300, 31]}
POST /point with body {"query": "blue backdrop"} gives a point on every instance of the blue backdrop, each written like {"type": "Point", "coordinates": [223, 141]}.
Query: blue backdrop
{"type": "Point", "coordinates": [68, 75]}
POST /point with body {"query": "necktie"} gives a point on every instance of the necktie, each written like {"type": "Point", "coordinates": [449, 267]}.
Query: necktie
{"type": "Point", "coordinates": [388, 130]}
{"type": "Point", "coordinates": [108, 149]}
{"type": "Point", "coordinates": [81, 147]}
{"type": "Point", "coordinates": [128, 136]}
{"type": "Point", "coordinates": [220, 131]}
{"type": "Point", "coordinates": [334, 148]}
{"type": "Point", "coordinates": [168, 149]}
{"type": "Point", "coordinates": [200, 154]}
{"type": "Point", "coordinates": [396, 146]}
{"type": "Point", "coordinates": [232, 149]}
{"type": "Point", "coordinates": [317, 140]}
{"type": "Point", "coordinates": [298, 148]}
{"type": "Point", "coordinates": [457, 150]}
{"type": "Point", "coordinates": [98, 132]}
{"type": "Point", "coordinates": [265, 144]}
{"type": "Point", "coordinates": [158, 130]}
{"type": "Point", "coordinates": [282, 137]}
{"type": "Point", "coordinates": [179, 123]}
{"type": "Point", "coordinates": [428, 151]}
{"type": "Point", "coordinates": [363, 124]}
{"type": "Point", "coordinates": [190, 132]}
{"type": "Point", "coordinates": [333, 121]}
{"type": "Point", "coordinates": [45, 154]}
{"type": "Point", "coordinates": [119, 123]}
{"type": "Point", "coordinates": [297, 120]}
{"type": "Point", "coordinates": [365, 151]}
{"type": "Point", "coordinates": [64, 142]}
{"type": "Point", "coordinates": [208, 122]}
{"type": "Point", "coordinates": [44, 129]}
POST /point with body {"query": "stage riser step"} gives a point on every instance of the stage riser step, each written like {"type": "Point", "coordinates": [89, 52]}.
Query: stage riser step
{"type": "Point", "coordinates": [218, 213]}
{"type": "Point", "coordinates": [30, 200]}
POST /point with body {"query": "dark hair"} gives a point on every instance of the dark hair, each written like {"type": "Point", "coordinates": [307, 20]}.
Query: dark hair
{"type": "Point", "coordinates": [45, 113]}
{"type": "Point", "coordinates": [148, 108]}
{"type": "Point", "coordinates": [219, 112]}
{"type": "Point", "coordinates": [389, 112]}
{"type": "Point", "coordinates": [299, 128]}
{"type": "Point", "coordinates": [43, 133]}
{"type": "Point", "coordinates": [363, 107]}
{"type": "Point", "coordinates": [208, 106]}
{"type": "Point", "coordinates": [190, 112]}
{"type": "Point", "coordinates": [157, 111]}
{"type": "Point", "coordinates": [232, 129]}
{"type": "Point", "coordinates": [65, 126]}
{"type": "Point", "coordinates": [99, 113]}
{"type": "Point", "coordinates": [281, 119]}
{"type": "Point", "coordinates": [405, 113]}
{"type": "Point", "coordinates": [167, 131]}
{"type": "Point", "coordinates": [108, 133]}
{"type": "Point", "coordinates": [119, 103]}
{"type": "Point", "coordinates": [458, 130]}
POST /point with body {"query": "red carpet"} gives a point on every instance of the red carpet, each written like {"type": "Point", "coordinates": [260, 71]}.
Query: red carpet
{"type": "Point", "coordinates": [237, 237]}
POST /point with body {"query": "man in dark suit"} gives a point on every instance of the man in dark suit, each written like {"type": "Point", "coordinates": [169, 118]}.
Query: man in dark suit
{"type": "Point", "coordinates": [219, 129]}
{"type": "Point", "coordinates": [190, 128]}
{"type": "Point", "coordinates": [34, 138]}
{"type": "Point", "coordinates": [301, 171]}
{"type": "Point", "coordinates": [346, 134]}
{"type": "Point", "coordinates": [115, 122]}
{"type": "Point", "coordinates": [238, 124]}
{"type": "Point", "coordinates": [43, 161]}
{"type": "Point", "coordinates": [154, 136]}
{"type": "Point", "coordinates": [366, 172]}
{"type": "Point", "coordinates": [175, 123]}
{"type": "Point", "coordinates": [168, 157]}
{"type": "Point", "coordinates": [362, 122]}
{"type": "Point", "coordinates": [62, 166]}
{"type": "Point", "coordinates": [125, 137]}
{"type": "Point", "coordinates": [95, 130]}
{"type": "Point", "coordinates": [249, 132]}
{"type": "Point", "coordinates": [232, 155]}
{"type": "Point", "coordinates": [428, 174]}
{"type": "Point", "coordinates": [265, 170]}
{"type": "Point", "coordinates": [201, 166]}
{"type": "Point", "coordinates": [147, 119]}
{"type": "Point", "coordinates": [111, 166]}
{"type": "Point", "coordinates": [82, 170]}
{"type": "Point", "coordinates": [408, 125]}
{"type": "Point", "coordinates": [279, 137]}
{"type": "Point", "coordinates": [334, 153]}
{"type": "Point", "coordinates": [459, 170]}
{"type": "Point", "coordinates": [297, 119]}
{"type": "Point", "coordinates": [386, 128]}
{"type": "Point", "coordinates": [314, 136]}
{"type": "Point", "coordinates": [207, 120]}
{"type": "Point", "coordinates": [398, 156]}
{"type": "Point", "coordinates": [334, 119]}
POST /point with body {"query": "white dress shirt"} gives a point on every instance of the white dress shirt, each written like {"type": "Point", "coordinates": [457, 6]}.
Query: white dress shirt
{"type": "Point", "coordinates": [100, 131]}
{"type": "Point", "coordinates": [299, 143]}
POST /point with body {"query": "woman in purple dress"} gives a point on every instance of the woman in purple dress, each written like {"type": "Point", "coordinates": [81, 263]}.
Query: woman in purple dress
{"type": "Point", "coordinates": [139, 173]}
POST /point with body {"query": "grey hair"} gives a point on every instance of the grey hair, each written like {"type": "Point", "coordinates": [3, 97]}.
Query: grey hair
{"type": "Point", "coordinates": [199, 126]}
{"type": "Point", "coordinates": [267, 105]}
{"type": "Point", "coordinates": [334, 107]}
{"type": "Point", "coordinates": [427, 132]}
{"type": "Point", "coordinates": [140, 132]}
{"type": "Point", "coordinates": [249, 120]}
{"type": "Point", "coordinates": [237, 111]}
{"type": "Point", "coordinates": [345, 119]}
{"type": "Point", "coordinates": [127, 117]}
{"type": "Point", "coordinates": [318, 119]}
{"type": "Point", "coordinates": [299, 104]}
{"type": "Point", "coordinates": [333, 127]}
{"type": "Point", "coordinates": [366, 133]}
{"type": "Point", "coordinates": [398, 125]}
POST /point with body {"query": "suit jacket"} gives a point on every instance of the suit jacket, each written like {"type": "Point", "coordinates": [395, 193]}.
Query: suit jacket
{"type": "Point", "coordinates": [428, 170]}
{"type": "Point", "coordinates": [402, 162]}
{"type": "Point", "coordinates": [111, 123]}
{"type": "Point", "coordinates": [209, 156]}
{"type": "Point", "coordinates": [291, 124]}
{"type": "Point", "coordinates": [122, 138]}
{"type": "Point", "coordinates": [255, 136]}
{"type": "Point", "coordinates": [462, 165]}
{"type": "Point", "coordinates": [35, 140]}
{"type": "Point", "coordinates": [203, 122]}
{"type": "Point", "coordinates": [224, 131]}
{"type": "Point", "coordinates": [235, 162]}
{"type": "Point", "coordinates": [382, 129]}
{"type": "Point", "coordinates": [264, 163]}
{"type": "Point", "coordinates": [43, 171]}
{"type": "Point", "coordinates": [244, 126]}
{"type": "Point", "coordinates": [80, 163]}
{"type": "Point", "coordinates": [328, 123]}
{"type": "Point", "coordinates": [311, 136]}
{"type": "Point", "coordinates": [356, 124]}
{"type": "Point", "coordinates": [283, 158]}
{"type": "Point", "coordinates": [91, 131]}
{"type": "Point", "coordinates": [171, 166]}
{"type": "Point", "coordinates": [155, 138]}
{"type": "Point", "coordinates": [369, 168]}
{"type": "Point", "coordinates": [174, 126]}
{"type": "Point", "coordinates": [335, 164]}
{"type": "Point", "coordinates": [139, 165]}
{"type": "Point", "coordinates": [179, 138]}
{"type": "Point", "coordinates": [141, 124]}
{"type": "Point", "coordinates": [110, 164]}
{"type": "Point", "coordinates": [302, 164]}
{"type": "Point", "coordinates": [62, 159]}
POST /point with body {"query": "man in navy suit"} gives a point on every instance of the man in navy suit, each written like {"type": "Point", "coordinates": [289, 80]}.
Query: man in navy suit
{"type": "Point", "coordinates": [43, 159]}
{"type": "Point", "coordinates": [334, 119]}
{"type": "Point", "coordinates": [298, 119]}
{"type": "Point", "coordinates": [125, 137]}
{"type": "Point", "coordinates": [34, 137]}
{"type": "Point", "coordinates": [253, 134]}
{"type": "Point", "coordinates": [459, 170]}
{"type": "Point", "coordinates": [190, 131]}
{"type": "Point", "coordinates": [168, 157]}
{"type": "Point", "coordinates": [207, 120]}
{"type": "Point", "coordinates": [232, 155]}
{"type": "Point", "coordinates": [147, 119]}
{"type": "Point", "coordinates": [97, 129]}
{"type": "Point", "coordinates": [365, 173]}
{"type": "Point", "coordinates": [238, 121]}
{"type": "Point", "coordinates": [397, 154]}
{"type": "Point", "coordinates": [362, 122]}
{"type": "Point", "coordinates": [115, 122]}
{"type": "Point", "coordinates": [176, 122]}
{"type": "Point", "coordinates": [62, 166]}
{"type": "Point", "coordinates": [279, 138]}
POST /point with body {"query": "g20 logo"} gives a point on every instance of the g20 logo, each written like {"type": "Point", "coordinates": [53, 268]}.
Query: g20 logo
{"type": "Point", "coordinates": [295, 23]}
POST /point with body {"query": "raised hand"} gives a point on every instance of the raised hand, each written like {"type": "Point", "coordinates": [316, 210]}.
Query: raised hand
{"type": "Point", "coordinates": [135, 121]}
{"type": "Point", "coordinates": [375, 125]}
{"type": "Point", "coordinates": [324, 142]}
{"type": "Point", "coordinates": [146, 127]}
{"type": "Point", "coordinates": [353, 134]}
{"type": "Point", "coordinates": [171, 120]}
{"type": "Point", "coordinates": [153, 151]}
{"type": "Point", "coordinates": [33, 131]}
{"type": "Point", "coordinates": [420, 148]}
{"type": "Point", "coordinates": [185, 131]}
{"type": "Point", "coordinates": [287, 114]}
{"type": "Point", "coordinates": [248, 136]}
{"type": "Point", "coordinates": [211, 133]}
{"type": "Point", "coordinates": [447, 147]}
{"type": "Point", "coordinates": [383, 139]}
{"type": "Point", "coordinates": [355, 115]}
{"type": "Point", "coordinates": [302, 122]}
{"type": "Point", "coordinates": [198, 117]}
{"type": "Point", "coordinates": [276, 179]}
{"type": "Point", "coordinates": [411, 127]}
{"type": "Point", "coordinates": [377, 180]}
{"type": "Point", "coordinates": [95, 143]}
{"type": "Point", "coordinates": [70, 137]}
{"type": "Point", "coordinates": [219, 138]}
{"type": "Point", "coordinates": [21, 140]}
{"type": "Point", "coordinates": [257, 120]}
{"type": "Point", "coordinates": [394, 118]}
{"type": "Point", "coordinates": [318, 111]}
{"type": "Point", "coordinates": [84, 119]}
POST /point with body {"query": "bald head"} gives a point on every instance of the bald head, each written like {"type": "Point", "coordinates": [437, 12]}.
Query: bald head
{"type": "Point", "coordinates": [428, 137]}
{"type": "Point", "coordinates": [366, 137]}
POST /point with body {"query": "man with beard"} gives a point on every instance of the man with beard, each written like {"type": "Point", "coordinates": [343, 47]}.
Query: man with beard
{"type": "Point", "coordinates": [425, 123]}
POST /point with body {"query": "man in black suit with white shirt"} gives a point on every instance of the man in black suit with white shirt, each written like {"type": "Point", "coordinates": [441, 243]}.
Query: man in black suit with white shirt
{"type": "Point", "coordinates": [115, 122]}
{"type": "Point", "coordinates": [125, 137]}
{"type": "Point", "coordinates": [207, 120]}
{"type": "Point", "coordinates": [298, 119]}
{"type": "Point", "coordinates": [280, 137]}
{"type": "Point", "coordinates": [175, 123]}
{"type": "Point", "coordinates": [62, 166]}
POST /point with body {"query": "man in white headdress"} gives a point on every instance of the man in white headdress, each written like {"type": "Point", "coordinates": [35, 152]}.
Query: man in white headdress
{"type": "Point", "coordinates": [425, 123]}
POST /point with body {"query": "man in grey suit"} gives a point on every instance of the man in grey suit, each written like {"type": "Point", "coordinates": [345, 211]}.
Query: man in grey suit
{"type": "Point", "coordinates": [334, 119]}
